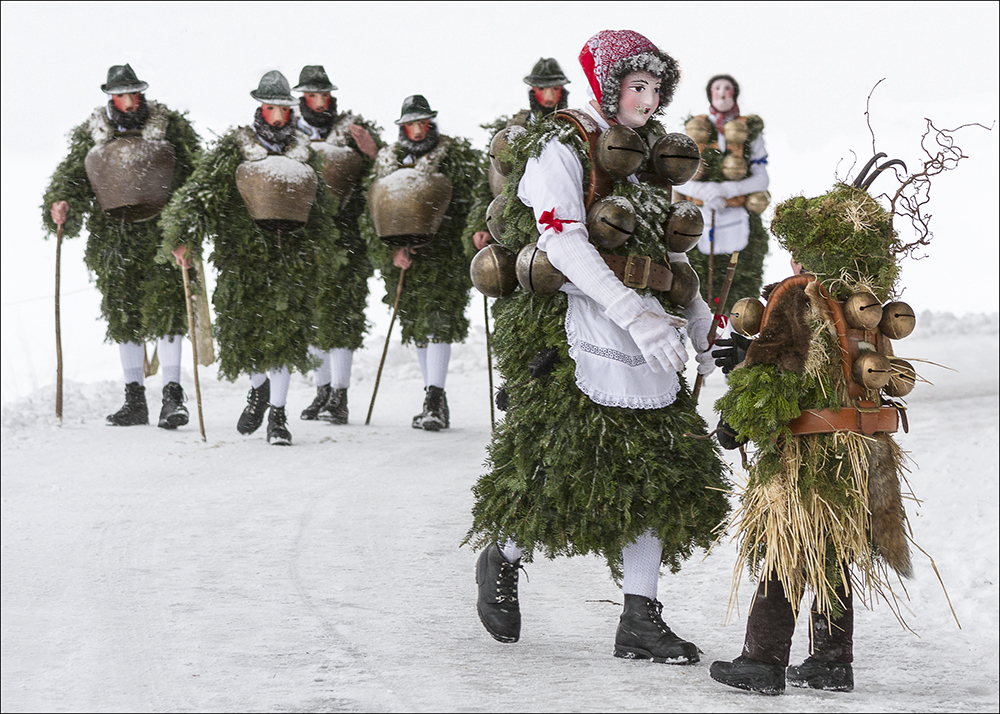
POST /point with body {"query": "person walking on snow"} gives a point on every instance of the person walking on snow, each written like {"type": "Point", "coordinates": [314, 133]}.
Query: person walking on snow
{"type": "Point", "coordinates": [142, 297]}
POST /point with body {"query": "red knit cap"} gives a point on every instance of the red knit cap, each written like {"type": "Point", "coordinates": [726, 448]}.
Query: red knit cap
{"type": "Point", "coordinates": [603, 62]}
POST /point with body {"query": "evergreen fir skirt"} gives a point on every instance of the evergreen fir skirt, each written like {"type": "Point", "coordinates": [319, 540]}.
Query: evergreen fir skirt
{"type": "Point", "coordinates": [568, 476]}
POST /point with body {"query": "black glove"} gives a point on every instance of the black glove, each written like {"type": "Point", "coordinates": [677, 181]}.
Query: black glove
{"type": "Point", "coordinates": [729, 352]}
{"type": "Point", "coordinates": [727, 436]}
{"type": "Point", "coordinates": [502, 399]}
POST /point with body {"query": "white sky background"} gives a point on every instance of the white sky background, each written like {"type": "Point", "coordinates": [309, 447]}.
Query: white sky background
{"type": "Point", "coordinates": [806, 68]}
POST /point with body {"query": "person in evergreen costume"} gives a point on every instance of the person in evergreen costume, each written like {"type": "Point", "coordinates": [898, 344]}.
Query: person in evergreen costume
{"type": "Point", "coordinates": [437, 285]}
{"type": "Point", "coordinates": [260, 197]}
{"type": "Point", "coordinates": [595, 453]}
{"type": "Point", "coordinates": [815, 393]}
{"type": "Point", "coordinates": [731, 189]}
{"type": "Point", "coordinates": [547, 94]}
{"type": "Point", "coordinates": [347, 144]}
{"type": "Point", "coordinates": [141, 297]}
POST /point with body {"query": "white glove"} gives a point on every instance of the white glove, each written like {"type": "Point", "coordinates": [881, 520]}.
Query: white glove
{"type": "Point", "coordinates": [706, 363]}
{"type": "Point", "coordinates": [656, 336]}
{"type": "Point", "coordinates": [713, 196]}
{"type": "Point", "coordinates": [699, 322]}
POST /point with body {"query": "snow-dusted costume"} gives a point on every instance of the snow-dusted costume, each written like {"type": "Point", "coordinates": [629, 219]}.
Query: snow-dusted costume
{"type": "Point", "coordinates": [594, 454]}
{"type": "Point", "coordinates": [142, 297]}
{"type": "Point", "coordinates": [731, 189]}
{"type": "Point", "coordinates": [437, 286]}
{"type": "Point", "coordinates": [817, 394]}
{"type": "Point", "coordinates": [259, 196]}
{"type": "Point", "coordinates": [341, 291]}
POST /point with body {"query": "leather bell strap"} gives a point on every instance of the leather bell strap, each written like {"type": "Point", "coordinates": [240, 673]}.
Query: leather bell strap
{"type": "Point", "coordinates": [639, 271]}
{"type": "Point", "coordinates": [733, 202]}
{"type": "Point", "coordinates": [866, 419]}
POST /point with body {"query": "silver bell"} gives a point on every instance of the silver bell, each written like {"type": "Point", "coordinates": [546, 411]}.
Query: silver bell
{"type": "Point", "coordinates": [676, 158]}
{"type": "Point", "coordinates": [610, 222]}
{"type": "Point", "coordinates": [620, 151]}
{"type": "Point", "coordinates": [684, 226]}
{"type": "Point", "coordinates": [535, 273]}
{"type": "Point", "coordinates": [494, 271]}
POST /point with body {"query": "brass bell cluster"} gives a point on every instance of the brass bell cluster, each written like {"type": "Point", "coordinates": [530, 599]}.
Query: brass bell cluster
{"type": "Point", "coordinates": [869, 321]}
{"type": "Point", "coordinates": [734, 165]}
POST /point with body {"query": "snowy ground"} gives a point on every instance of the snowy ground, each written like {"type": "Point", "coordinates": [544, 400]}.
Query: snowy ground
{"type": "Point", "coordinates": [146, 570]}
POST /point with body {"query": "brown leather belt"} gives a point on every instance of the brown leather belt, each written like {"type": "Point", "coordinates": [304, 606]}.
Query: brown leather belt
{"type": "Point", "coordinates": [639, 271]}
{"type": "Point", "coordinates": [866, 419]}
{"type": "Point", "coordinates": [730, 202]}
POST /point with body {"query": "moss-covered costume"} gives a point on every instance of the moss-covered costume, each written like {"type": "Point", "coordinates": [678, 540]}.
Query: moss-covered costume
{"type": "Point", "coordinates": [820, 499]}
{"type": "Point", "coordinates": [566, 475]}
{"type": "Point", "coordinates": [437, 286]}
{"type": "Point", "coordinates": [266, 278]}
{"type": "Point", "coordinates": [142, 297]}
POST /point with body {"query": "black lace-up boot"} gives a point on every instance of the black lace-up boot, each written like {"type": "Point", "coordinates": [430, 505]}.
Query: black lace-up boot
{"type": "Point", "coordinates": [434, 417]}
{"type": "Point", "coordinates": [311, 413]}
{"type": "Point", "coordinates": [750, 674]}
{"type": "Point", "coordinates": [277, 427]}
{"type": "Point", "coordinates": [253, 414]}
{"type": "Point", "coordinates": [642, 634]}
{"type": "Point", "coordinates": [173, 413]}
{"type": "Point", "coordinates": [134, 411]}
{"type": "Point", "coordinates": [816, 674]}
{"type": "Point", "coordinates": [497, 601]}
{"type": "Point", "coordinates": [336, 406]}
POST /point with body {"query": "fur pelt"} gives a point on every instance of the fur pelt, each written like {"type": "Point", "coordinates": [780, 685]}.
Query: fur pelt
{"type": "Point", "coordinates": [784, 341]}
{"type": "Point", "coordinates": [102, 130]}
{"type": "Point", "coordinates": [885, 502]}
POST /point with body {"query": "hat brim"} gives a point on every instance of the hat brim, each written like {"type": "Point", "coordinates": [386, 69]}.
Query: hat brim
{"type": "Point", "coordinates": [544, 82]}
{"type": "Point", "coordinates": [281, 101]}
{"type": "Point", "coordinates": [416, 116]}
{"type": "Point", "coordinates": [314, 88]}
{"type": "Point", "coordinates": [126, 89]}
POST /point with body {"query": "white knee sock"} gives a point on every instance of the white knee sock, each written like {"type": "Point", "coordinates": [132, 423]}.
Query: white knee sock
{"type": "Point", "coordinates": [438, 357]}
{"type": "Point", "coordinates": [280, 379]}
{"type": "Point", "coordinates": [641, 565]}
{"type": "Point", "coordinates": [257, 379]}
{"type": "Point", "coordinates": [132, 354]}
{"type": "Point", "coordinates": [169, 350]}
{"type": "Point", "coordinates": [322, 374]}
{"type": "Point", "coordinates": [510, 551]}
{"type": "Point", "coordinates": [422, 359]}
{"type": "Point", "coordinates": [341, 360]}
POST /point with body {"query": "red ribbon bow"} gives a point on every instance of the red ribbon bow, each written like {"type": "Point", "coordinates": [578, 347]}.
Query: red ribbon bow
{"type": "Point", "coordinates": [549, 220]}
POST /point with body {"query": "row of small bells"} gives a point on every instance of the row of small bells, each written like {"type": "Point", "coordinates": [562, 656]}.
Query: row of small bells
{"type": "Point", "coordinates": [734, 165]}
{"type": "Point", "coordinates": [620, 152]}
{"type": "Point", "coordinates": [862, 311]}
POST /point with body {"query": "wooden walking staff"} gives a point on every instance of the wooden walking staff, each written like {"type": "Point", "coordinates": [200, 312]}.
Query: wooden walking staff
{"type": "Point", "coordinates": [730, 271]}
{"type": "Point", "coordinates": [489, 359]}
{"type": "Point", "coordinates": [185, 264]}
{"type": "Point", "coordinates": [385, 350]}
{"type": "Point", "coordinates": [58, 212]}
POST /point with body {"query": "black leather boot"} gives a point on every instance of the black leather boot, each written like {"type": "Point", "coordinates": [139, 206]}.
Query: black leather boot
{"type": "Point", "coordinates": [434, 417]}
{"type": "Point", "coordinates": [642, 634]}
{"type": "Point", "coordinates": [497, 600]}
{"type": "Point", "coordinates": [277, 427]}
{"type": "Point", "coordinates": [253, 414]}
{"type": "Point", "coordinates": [134, 411]}
{"type": "Point", "coordinates": [749, 674]}
{"type": "Point", "coordinates": [336, 407]}
{"type": "Point", "coordinates": [173, 413]}
{"type": "Point", "coordinates": [311, 413]}
{"type": "Point", "coordinates": [815, 674]}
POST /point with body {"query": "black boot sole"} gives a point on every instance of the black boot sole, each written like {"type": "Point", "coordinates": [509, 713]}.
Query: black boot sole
{"type": "Point", "coordinates": [173, 421]}
{"type": "Point", "coordinates": [636, 653]}
{"type": "Point", "coordinates": [507, 639]}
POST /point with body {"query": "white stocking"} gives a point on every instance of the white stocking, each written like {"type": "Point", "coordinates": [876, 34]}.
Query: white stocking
{"type": "Point", "coordinates": [438, 357]}
{"type": "Point", "coordinates": [341, 360]}
{"type": "Point", "coordinates": [168, 348]}
{"type": "Point", "coordinates": [132, 354]}
{"type": "Point", "coordinates": [280, 379]}
{"type": "Point", "coordinates": [322, 374]}
{"type": "Point", "coordinates": [641, 565]}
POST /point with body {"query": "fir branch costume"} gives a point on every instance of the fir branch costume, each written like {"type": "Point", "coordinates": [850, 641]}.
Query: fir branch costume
{"type": "Point", "coordinates": [437, 290]}
{"type": "Point", "coordinates": [341, 293]}
{"type": "Point", "coordinates": [142, 295]}
{"type": "Point", "coordinates": [570, 476]}
{"type": "Point", "coordinates": [266, 278]}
